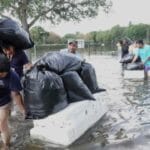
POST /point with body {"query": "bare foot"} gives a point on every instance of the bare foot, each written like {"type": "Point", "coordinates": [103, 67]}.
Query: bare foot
{"type": "Point", "coordinates": [5, 147]}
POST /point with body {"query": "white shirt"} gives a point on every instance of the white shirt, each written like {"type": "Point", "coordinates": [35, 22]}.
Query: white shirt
{"type": "Point", "coordinates": [66, 50]}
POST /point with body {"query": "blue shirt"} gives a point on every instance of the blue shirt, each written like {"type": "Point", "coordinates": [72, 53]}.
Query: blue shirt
{"type": "Point", "coordinates": [18, 61]}
{"type": "Point", "coordinates": [7, 84]}
{"type": "Point", "coordinates": [144, 53]}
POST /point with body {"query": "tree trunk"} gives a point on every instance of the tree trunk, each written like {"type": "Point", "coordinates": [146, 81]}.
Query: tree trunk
{"type": "Point", "coordinates": [25, 27]}
{"type": "Point", "coordinates": [23, 18]}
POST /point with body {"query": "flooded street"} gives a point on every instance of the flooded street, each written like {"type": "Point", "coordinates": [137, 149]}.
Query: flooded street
{"type": "Point", "coordinates": [126, 125]}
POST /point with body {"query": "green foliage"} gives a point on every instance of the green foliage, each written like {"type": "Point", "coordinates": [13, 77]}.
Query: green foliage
{"type": "Point", "coordinates": [40, 36]}
{"type": "Point", "coordinates": [68, 36]}
{"type": "Point", "coordinates": [53, 38]}
{"type": "Point", "coordinates": [137, 31]}
{"type": "Point", "coordinates": [110, 37]}
{"type": "Point", "coordinates": [29, 11]}
{"type": "Point", "coordinates": [77, 35]}
{"type": "Point", "coordinates": [92, 36]}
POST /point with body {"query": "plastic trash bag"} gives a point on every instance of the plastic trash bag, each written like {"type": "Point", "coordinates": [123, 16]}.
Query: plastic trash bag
{"type": "Point", "coordinates": [135, 66]}
{"type": "Point", "coordinates": [59, 62]}
{"type": "Point", "coordinates": [44, 93]}
{"type": "Point", "coordinates": [88, 76]}
{"type": "Point", "coordinates": [75, 87]}
{"type": "Point", "coordinates": [127, 58]}
{"type": "Point", "coordinates": [11, 32]}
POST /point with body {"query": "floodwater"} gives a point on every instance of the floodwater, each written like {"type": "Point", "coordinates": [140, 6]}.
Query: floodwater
{"type": "Point", "coordinates": [126, 125]}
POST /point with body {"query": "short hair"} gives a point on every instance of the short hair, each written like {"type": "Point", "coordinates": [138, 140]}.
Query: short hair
{"type": "Point", "coordinates": [120, 42]}
{"type": "Point", "coordinates": [140, 42]}
{"type": "Point", "coordinates": [5, 45]}
{"type": "Point", "coordinates": [4, 63]}
{"type": "Point", "coordinates": [73, 42]}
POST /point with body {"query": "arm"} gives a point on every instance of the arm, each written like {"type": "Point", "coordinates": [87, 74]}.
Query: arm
{"type": "Point", "coordinates": [26, 64]}
{"type": "Point", "coordinates": [17, 98]}
{"type": "Point", "coordinates": [134, 59]}
{"type": "Point", "coordinates": [15, 87]}
{"type": "Point", "coordinates": [147, 59]}
{"type": "Point", "coordinates": [136, 55]}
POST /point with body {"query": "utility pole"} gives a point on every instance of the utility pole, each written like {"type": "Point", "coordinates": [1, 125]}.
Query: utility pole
{"type": "Point", "coordinates": [148, 36]}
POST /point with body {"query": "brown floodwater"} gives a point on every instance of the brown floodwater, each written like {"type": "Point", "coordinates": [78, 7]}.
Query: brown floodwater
{"type": "Point", "coordinates": [126, 125]}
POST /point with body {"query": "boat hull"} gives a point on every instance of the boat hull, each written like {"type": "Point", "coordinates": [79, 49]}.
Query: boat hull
{"type": "Point", "coordinates": [66, 126]}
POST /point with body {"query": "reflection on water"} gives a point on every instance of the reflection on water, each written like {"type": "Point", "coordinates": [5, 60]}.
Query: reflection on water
{"type": "Point", "coordinates": [127, 123]}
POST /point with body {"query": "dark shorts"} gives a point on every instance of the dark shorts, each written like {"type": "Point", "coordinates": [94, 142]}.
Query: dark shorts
{"type": "Point", "coordinates": [8, 105]}
{"type": "Point", "coordinates": [147, 68]}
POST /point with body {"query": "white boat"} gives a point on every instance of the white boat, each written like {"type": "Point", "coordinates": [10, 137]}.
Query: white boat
{"type": "Point", "coordinates": [66, 126]}
{"type": "Point", "coordinates": [133, 74]}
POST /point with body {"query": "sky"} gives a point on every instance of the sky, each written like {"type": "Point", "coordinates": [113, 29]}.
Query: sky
{"type": "Point", "coordinates": [122, 12]}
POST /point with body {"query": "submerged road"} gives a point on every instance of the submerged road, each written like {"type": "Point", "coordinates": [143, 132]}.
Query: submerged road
{"type": "Point", "coordinates": [126, 126]}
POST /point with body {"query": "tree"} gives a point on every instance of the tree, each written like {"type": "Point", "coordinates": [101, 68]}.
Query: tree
{"type": "Point", "coordinates": [30, 11]}
{"type": "Point", "coordinates": [91, 36]}
{"type": "Point", "coordinates": [68, 36]}
{"type": "Point", "coordinates": [79, 35]}
{"type": "Point", "coordinates": [53, 38]}
{"type": "Point", "coordinates": [117, 33]}
{"type": "Point", "coordinates": [39, 34]}
{"type": "Point", "coordinates": [138, 31]}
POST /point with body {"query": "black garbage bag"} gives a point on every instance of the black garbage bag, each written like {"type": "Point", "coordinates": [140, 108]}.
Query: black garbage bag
{"type": "Point", "coordinates": [11, 32]}
{"type": "Point", "coordinates": [44, 93]}
{"type": "Point", "coordinates": [75, 87]}
{"type": "Point", "coordinates": [1, 51]}
{"type": "Point", "coordinates": [127, 58]}
{"type": "Point", "coordinates": [135, 66]}
{"type": "Point", "coordinates": [88, 76]}
{"type": "Point", "coordinates": [59, 62]}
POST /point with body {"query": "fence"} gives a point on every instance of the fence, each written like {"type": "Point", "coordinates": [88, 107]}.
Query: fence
{"type": "Point", "coordinates": [90, 48]}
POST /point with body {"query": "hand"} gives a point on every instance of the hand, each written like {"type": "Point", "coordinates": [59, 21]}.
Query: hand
{"type": "Point", "coordinates": [148, 58]}
{"type": "Point", "coordinates": [142, 64]}
{"type": "Point", "coordinates": [28, 66]}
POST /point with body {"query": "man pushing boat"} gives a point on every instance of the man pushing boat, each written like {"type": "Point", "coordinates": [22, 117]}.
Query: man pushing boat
{"type": "Point", "coordinates": [143, 51]}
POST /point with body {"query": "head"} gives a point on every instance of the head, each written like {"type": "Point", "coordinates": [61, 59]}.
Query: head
{"type": "Point", "coordinates": [134, 44]}
{"type": "Point", "coordinates": [119, 43]}
{"type": "Point", "coordinates": [72, 46]}
{"type": "Point", "coordinates": [4, 66]}
{"type": "Point", "coordinates": [139, 44]}
{"type": "Point", "coordinates": [7, 48]}
{"type": "Point", "coordinates": [126, 42]}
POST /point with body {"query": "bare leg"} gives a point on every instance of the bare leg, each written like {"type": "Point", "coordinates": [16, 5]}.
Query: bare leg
{"type": "Point", "coordinates": [5, 131]}
{"type": "Point", "coordinates": [17, 97]}
{"type": "Point", "coordinates": [145, 75]}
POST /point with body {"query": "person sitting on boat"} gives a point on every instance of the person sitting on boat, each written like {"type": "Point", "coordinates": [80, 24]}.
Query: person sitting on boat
{"type": "Point", "coordinates": [143, 51]}
{"type": "Point", "coordinates": [72, 48]}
